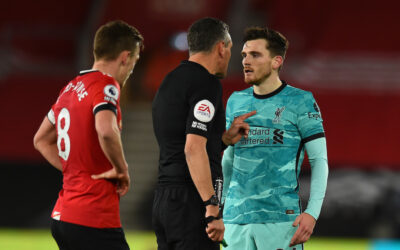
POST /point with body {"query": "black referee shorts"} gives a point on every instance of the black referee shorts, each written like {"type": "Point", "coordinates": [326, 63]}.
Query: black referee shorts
{"type": "Point", "coordinates": [178, 219]}
{"type": "Point", "coordinates": [76, 237]}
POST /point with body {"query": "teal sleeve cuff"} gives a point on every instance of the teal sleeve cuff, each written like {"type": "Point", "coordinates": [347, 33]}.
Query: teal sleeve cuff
{"type": "Point", "coordinates": [317, 155]}
{"type": "Point", "coordinates": [227, 165]}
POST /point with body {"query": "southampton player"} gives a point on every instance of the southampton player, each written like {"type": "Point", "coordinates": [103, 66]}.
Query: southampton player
{"type": "Point", "coordinates": [81, 137]}
{"type": "Point", "coordinates": [262, 206]}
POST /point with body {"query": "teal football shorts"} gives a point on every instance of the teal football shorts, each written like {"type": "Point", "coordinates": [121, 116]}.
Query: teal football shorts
{"type": "Point", "coordinates": [269, 236]}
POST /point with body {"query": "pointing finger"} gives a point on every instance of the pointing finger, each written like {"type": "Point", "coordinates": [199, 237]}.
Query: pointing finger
{"type": "Point", "coordinates": [247, 115]}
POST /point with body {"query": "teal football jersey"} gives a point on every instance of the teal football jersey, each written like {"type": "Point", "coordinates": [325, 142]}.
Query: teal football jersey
{"type": "Point", "coordinates": [262, 177]}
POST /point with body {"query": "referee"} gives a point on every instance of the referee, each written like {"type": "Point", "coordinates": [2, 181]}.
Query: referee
{"type": "Point", "coordinates": [189, 124]}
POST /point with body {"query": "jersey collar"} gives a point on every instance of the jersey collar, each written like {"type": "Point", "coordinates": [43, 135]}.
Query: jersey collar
{"type": "Point", "coordinates": [275, 92]}
{"type": "Point", "coordinates": [187, 62]}
{"type": "Point", "coordinates": [83, 72]}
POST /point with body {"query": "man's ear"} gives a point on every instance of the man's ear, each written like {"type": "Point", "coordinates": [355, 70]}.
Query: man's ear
{"type": "Point", "coordinates": [277, 61]}
{"type": "Point", "coordinates": [220, 47]}
{"type": "Point", "coordinates": [124, 56]}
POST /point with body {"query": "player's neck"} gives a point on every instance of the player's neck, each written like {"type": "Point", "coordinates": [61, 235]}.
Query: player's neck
{"type": "Point", "coordinates": [109, 68]}
{"type": "Point", "coordinates": [268, 86]}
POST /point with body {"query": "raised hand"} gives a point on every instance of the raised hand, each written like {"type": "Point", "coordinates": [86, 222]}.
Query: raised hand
{"type": "Point", "coordinates": [238, 129]}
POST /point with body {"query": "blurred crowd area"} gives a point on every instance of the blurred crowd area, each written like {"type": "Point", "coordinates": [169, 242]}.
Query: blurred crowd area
{"type": "Point", "coordinates": [346, 52]}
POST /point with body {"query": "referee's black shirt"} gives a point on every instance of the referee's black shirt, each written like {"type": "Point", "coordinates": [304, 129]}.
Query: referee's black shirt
{"type": "Point", "coordinates": [189, 101]}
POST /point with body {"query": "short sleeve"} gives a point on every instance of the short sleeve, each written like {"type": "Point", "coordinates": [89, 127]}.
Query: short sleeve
{"type": "Point", "coordinates": [204, 99]}
{"type": "Point", "coordinates": [310, 119]}
{"type": "Point", "coordinates": [106, 97]}
{"type": "Point", "coordinates": [51, 115]}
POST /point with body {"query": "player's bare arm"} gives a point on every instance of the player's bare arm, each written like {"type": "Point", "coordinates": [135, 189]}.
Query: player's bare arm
{"type": "Point", "coordinates": [110, 141]}
{"type": "Point", "coordinates": [199, 168]}
{"type": "Point", "coordinates": [45, 141]}
{"type": "Point", "coordinates": [238, 129]}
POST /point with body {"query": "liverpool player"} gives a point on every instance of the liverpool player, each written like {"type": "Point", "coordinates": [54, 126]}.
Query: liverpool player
{"type": "Point", "coordinates": [81, 137]}
{"type": "Point", "coordinates": [261, 172]}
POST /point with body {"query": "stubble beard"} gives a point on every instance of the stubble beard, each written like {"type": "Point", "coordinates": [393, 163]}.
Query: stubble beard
{"type": "Point", "coordinates": [258, 81]}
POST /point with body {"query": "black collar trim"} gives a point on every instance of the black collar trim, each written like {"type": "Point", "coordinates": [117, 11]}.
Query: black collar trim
{"type": "Point", "coordinates": [275, 92]}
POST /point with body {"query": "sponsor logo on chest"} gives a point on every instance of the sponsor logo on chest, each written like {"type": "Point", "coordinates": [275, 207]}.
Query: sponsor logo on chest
{"type": "Point", "coordinates": [263, 136]}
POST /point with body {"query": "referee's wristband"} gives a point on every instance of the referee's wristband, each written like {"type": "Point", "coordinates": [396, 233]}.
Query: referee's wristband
{"type": "Point", "coordinates": [211, 218]}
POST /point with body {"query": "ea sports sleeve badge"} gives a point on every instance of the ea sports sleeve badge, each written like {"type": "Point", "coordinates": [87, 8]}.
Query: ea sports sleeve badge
{"type": "Point", "coordinates": [204, 111]}
{"type": "Point", "coordinates": [200, 118]}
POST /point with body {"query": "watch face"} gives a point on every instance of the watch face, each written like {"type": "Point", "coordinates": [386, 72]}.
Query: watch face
{"type": "Point", "coordinates": [214, 200]}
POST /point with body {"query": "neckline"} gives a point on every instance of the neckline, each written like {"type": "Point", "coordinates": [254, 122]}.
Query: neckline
{"type": "Point", "coordinates": [275, 92]}
{"type": "Point", "coordinates": [83, 72]}
{"type": "Point", "coordinates": [198, 65]}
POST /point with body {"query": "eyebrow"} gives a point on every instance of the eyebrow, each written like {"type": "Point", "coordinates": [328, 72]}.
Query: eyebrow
{"type": "Point", "coordinates": [252, 52]}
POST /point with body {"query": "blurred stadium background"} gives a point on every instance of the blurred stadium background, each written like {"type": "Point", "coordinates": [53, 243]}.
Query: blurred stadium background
{"type": "Point", "coordinates": [346, 52]}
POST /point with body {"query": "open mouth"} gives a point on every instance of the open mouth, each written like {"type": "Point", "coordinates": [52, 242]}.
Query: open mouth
{"type": "Point", "coordinates": [248, 71]}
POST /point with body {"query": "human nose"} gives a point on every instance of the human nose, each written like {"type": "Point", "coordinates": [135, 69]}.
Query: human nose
{"type": "Point", "coordinates": [245, 61]}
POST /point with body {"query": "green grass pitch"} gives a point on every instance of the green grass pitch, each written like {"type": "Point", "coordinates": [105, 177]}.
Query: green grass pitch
{"type": "Point", "coordinates": [24, 239]}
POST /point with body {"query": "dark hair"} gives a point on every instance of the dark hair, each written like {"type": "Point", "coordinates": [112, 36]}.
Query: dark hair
{"type": "Point", "coordinates": [114, 37]}
{"type": "Point", "coordinates": [205, 33]}
{"type": "Point", "coordinates": [277, 44]}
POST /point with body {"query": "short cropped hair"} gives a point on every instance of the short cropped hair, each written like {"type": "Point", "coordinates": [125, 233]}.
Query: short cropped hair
{"type": "Point", "coordinates": [114, 37]}
{"type": "Point", "coordinates": [277, 44]}
{"type": "Point", "coordinates": [205, 33]}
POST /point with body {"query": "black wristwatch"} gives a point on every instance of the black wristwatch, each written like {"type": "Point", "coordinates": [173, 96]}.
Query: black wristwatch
{"type": "Point", "coordinates": [212, 218]}
{"type": "Point", "coordinates": [212, 201]}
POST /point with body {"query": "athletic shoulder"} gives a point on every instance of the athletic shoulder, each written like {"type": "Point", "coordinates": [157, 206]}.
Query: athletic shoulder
{"type": "Point", "coordinates": [301, 100]}
{"type": "Point", "coordinates": [94, 79]}
{"type": "Point", "coordinates": [192, 75]}
{"type": "Point", "coordinates": [297, 92]}
{"type": "Point", "coordinates": [239, 95]}
{"type": "Point", "coordinates": [309, 119]}
{"type": "Point", "coordinates": [103, 90]}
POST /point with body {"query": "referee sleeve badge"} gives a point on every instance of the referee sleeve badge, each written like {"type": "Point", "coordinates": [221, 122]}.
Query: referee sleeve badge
{"type": "Point", "coordinates": [204, 111]}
